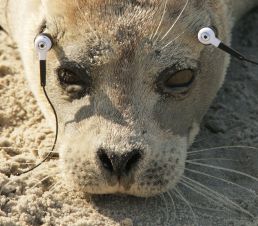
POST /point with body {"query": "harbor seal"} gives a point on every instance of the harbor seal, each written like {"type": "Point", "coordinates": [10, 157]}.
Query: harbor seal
{"type": "Point", "coordinates": [129, 80]}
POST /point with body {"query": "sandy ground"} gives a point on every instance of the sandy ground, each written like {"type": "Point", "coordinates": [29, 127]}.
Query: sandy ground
{"type": "Point", "coordinates": [39, 198]}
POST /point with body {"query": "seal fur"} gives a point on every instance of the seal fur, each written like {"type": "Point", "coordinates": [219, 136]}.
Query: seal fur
{"type": "Point", "coordinates": [123, 46]}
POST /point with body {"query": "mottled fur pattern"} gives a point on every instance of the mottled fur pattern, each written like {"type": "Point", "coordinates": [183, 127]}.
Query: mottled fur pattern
{"type": "Point", "coordinates": [123, 45]}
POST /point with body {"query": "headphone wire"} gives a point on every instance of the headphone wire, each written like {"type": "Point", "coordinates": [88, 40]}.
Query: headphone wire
{"type": "Point", "coordinates": [49, 155]}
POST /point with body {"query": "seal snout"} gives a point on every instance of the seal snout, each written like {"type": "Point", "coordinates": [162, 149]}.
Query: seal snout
{"type": "Point", "coordinates": [117, 164]}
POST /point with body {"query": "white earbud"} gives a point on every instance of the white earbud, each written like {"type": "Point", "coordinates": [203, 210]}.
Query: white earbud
{"type": "Point", "coordinates": [42, 45]}
{"type": "Point", "coordinates": [207, 37]}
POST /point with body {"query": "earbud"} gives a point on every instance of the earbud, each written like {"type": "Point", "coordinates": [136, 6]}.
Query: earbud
{"type": "Point", "coordinates": [43, 44]}
{"type": "Point", "coordinates": [207, 36]}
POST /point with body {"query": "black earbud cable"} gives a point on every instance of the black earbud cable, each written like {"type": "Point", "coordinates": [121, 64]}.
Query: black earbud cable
{"type": "Point", "coordinates": [251, 61]}
{"type": "Point", "coordinates": [235, 53]}
{"type": "Point", "coordinates": [43, 85]}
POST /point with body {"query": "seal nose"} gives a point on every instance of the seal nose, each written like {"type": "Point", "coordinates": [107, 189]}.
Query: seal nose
{"type": "Point", "coordinates": [117, 164]}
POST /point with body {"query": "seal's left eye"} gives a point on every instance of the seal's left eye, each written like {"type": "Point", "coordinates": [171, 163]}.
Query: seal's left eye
{"type": "Point", "coordinates": [175, 82]}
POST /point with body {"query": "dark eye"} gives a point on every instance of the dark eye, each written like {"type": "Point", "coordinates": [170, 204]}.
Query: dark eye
{"type": "Point", "coordinates": [179, 82]}
{"type": "Point", "coordinates": [76, 83]}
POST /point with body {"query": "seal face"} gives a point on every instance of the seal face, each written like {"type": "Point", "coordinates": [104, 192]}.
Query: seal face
{"type": "Point", "coordinates": [131, 89]}
{"type": "Point", "coordinates": [130, 83]}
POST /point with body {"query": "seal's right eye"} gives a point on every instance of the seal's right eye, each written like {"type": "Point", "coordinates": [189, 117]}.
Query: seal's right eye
{"type": "Point", "coordinates": [76, 83]}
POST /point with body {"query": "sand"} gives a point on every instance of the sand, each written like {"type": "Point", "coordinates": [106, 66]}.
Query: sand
{"type": "Point", "coordinates": [39, 198]}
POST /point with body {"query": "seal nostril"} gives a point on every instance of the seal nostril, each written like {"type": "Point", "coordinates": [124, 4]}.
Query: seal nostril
{"type": "Point", "coordinates": [118, 164]}
{"type": "Point", "coordinates": [132, 159]}
{"type": "Point", "coordinates": [104, 159]}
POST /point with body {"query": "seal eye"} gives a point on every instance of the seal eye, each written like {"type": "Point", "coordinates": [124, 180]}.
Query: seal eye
{"type": "Point", "coordinates": [75, 83]}
{"type": "Point", "coordinates": [180, 79]}
{"type": "Point", "coordinates": [170, 82]}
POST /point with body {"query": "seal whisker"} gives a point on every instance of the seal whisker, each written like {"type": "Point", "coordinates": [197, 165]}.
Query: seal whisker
{"type": "Point", "coordinates": [224, 148]}
{"type": "Point", "coordinates": [178, 191]}
{"type": "Point", "coordinates": [173, 204]}
{"type": "Point", "coordinates": [224, 199]}
{"type": "Point", "coordinates": [13, 180]}
{"type": "Point", "coordinates": [40, 181]}
{"type": "Point", "coordinates": [194, 205]}
{"type": "Point", "coordinates": [207, 209]}
{"type": "Point", "coordinates": [219, 199]}
{"type": "Point", "coordinates": [205, 194]}
{"type": "Point", "coordinates": [220, 159]}
{"type": "Point", "coordinates": [221, 179]}
{"type": "Point", "coordinates": [161, 20]}
{"type": "Point", "coordinates": [177, 37]}
{"type": "Point", "coordinates": [162, 196]}
{"type": "Point", "coordinates": [55, 186]}
{"type": "Point", "coordinates": [224, 169]}
{"type": "Point", "coordinates": [179, 16]}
